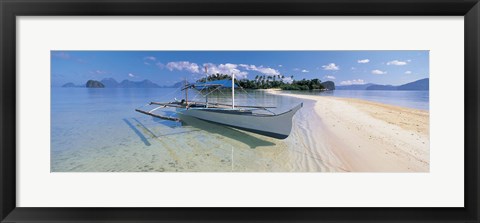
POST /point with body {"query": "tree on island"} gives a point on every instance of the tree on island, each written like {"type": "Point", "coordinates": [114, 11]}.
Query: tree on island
{"type": "Point", "coordinates": [266, 82]}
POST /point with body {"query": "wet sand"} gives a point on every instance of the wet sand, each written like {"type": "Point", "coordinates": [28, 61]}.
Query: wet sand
{"type": "Point", "coordinates": [362, 136]}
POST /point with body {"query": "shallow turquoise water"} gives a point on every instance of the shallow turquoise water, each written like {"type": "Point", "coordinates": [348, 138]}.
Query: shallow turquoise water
{"type": "Point", "coordinates": [98, 130]}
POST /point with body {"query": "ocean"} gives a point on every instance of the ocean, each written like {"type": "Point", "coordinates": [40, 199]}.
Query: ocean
{"type": "Point", "coordinates": [409, 99]}
{"type": "Point", "coordinates": [98, 130]}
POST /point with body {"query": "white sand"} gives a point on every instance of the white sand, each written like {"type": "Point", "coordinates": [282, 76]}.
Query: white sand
{"type": "Point", "coordinates": [357, 135]}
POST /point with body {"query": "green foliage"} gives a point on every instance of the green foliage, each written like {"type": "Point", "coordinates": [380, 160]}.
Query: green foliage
{"type": "Point", "coordinates": [266, 82]}
{"type": "Point", "coordinates": [313, 84]}
{"type": "Point", "coordinates": [215, 77]}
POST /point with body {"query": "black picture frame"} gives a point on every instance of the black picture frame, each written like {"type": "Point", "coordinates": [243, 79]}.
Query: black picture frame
{"type": "Point", "coordinates": [10, 9]}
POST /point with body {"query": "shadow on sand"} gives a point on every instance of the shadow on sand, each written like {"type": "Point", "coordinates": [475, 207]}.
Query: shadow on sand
{"type": "Point", "coordinates": [139, 134]}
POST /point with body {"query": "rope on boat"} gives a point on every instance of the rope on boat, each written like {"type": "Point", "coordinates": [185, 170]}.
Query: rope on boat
{"type": "Point", "coordinates": [208, 93]}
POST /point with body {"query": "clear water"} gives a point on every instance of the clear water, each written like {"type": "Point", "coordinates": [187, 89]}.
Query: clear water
{"type": "Point", "coordinates": [98, 130]}
{"type": "Point", "coordinates": [409, 99]}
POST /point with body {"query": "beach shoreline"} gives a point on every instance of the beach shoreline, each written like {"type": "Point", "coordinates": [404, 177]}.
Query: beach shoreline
{"type": "Point", "coordinates": [365, 136]}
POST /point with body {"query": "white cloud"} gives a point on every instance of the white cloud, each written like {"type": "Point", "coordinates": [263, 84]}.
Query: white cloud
{"type": "Point", "coordinates": [305, 71]}
{"type": "Point", "coordinates": [268, 71]}
{"type": "Point", "coordinates": [150, 58]}
{"type": "Point", "coordinates": [331, 66]}
{"type": "Point", "coordinates": [397, 62]}
{"type": "Point", "coordinates": [408, 72]}
{"type": "Point", "coordinates": [378, 72]}
{"type": "Point", "coordinates": [296, 69]}
{"type": "Point", "coordinates": [131, 75]}
{"type": "Point", "coordinates": [240, 70]}
{"type": "Point", "coordinates": [264, 70]}
{"type": "Point", "coordinates": [287, 80]}
{"type": "Point", "coordinates": [363, 61]}
{"type": "Point", "coordinates": [227, 69]}
{"type": "Point", "coordinates": [280, 65]}
{"type": "Point", "coordinates": [352, 82]}
{"type": "Point", "coordinates": [160, 65]}
{"type": "Point", "coordinates": [329, 77]}
{"type": "Point", "coordinates": [183, 65]}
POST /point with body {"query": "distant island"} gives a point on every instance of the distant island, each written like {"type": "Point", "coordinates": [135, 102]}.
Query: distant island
{"type": "Point", "coordinates": [419, 85]}
{"type": "Point", "coordinates": [260, 82]}
{"type": "Point", "coordinates": [94, 84]}
{"type": "Point", "coordinates": [112, 83]}
{"type": "Point", "coordinates": [70, 84]}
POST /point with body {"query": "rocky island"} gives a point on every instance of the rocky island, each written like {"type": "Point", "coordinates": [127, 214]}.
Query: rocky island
{"type": "Point", "coordinates": [94, 84]}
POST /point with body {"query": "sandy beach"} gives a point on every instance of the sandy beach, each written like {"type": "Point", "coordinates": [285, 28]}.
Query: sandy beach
{"type": "Point", "coordinates": [361, 136]}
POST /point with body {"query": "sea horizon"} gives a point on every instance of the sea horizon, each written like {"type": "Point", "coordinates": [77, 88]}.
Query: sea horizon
{"type": "Point", "coordinates": [416, 99]}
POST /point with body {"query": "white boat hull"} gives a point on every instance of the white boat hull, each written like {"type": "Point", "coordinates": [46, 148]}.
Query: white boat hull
{"type": "Point", "coordinates": [276, 126]}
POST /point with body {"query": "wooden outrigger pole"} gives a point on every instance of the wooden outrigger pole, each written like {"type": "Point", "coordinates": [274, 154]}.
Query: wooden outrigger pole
{"type": "Point", "coordinates": [158, 116]}
{"type": "Point", "coordinates": [169, 104]}
{"type": "Point", "coordinates": [238, 106]}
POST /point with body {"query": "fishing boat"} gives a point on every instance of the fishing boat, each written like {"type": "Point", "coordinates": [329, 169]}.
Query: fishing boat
{"type": "Point", "coordinates": [256, 119]}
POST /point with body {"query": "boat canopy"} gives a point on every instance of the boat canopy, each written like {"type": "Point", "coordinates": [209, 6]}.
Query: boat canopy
{"type": "Point", "coordinates": [214, 84]}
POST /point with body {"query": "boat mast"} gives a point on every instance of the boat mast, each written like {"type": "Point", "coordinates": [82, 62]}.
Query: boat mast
{"type": "Point", "coordinates": [233, 91]}
{"type": "Point", "coordinates": [186, 93]}
{"type": "Point", "coordinates": [206, 79]}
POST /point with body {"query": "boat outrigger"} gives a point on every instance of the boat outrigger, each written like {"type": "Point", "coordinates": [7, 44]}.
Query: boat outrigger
{"type": "Point", "coordinates": [256, 119]}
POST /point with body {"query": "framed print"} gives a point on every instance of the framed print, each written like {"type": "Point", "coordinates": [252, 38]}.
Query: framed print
{"type": "Point", "coordinates": [239, 111]}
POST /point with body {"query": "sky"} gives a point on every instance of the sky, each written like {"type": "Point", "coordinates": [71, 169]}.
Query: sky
{"type": "Point", "coordinates": [169, 67]}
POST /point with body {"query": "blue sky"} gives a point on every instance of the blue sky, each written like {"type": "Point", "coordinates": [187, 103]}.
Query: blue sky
{"type": "Point", "coordinates": [169, 67]}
